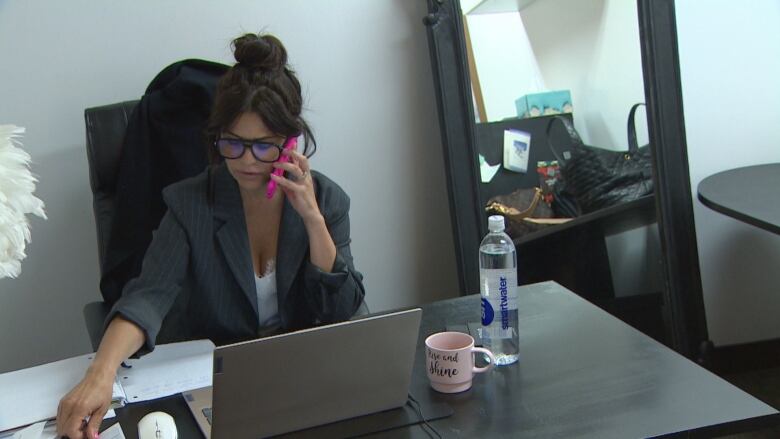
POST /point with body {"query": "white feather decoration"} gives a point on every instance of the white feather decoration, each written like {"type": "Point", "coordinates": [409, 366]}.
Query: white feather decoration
{"type": "Point", "coordinates": [16, 200]}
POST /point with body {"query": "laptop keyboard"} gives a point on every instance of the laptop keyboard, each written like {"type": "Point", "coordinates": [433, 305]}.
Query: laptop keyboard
{"type": "Point", "coordinates": [207, 414]}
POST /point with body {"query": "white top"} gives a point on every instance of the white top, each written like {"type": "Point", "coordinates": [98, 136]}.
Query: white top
{"type": "Point", "coordinates": [267, 305]}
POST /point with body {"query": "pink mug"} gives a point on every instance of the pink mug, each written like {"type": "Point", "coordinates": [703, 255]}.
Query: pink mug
{"type": "Point", "coordinates": [450, 361]}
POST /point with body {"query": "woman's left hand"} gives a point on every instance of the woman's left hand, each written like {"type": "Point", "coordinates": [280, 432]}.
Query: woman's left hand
{"type": "Point", "coordinates": [298, 186]}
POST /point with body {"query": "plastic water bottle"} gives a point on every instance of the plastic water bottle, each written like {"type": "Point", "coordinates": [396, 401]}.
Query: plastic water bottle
{"type": "Point", "coordinates": [498, 287]}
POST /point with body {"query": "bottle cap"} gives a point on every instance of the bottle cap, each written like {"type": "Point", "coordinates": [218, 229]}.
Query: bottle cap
{"type": "Point", "coordinates": [496, 223]}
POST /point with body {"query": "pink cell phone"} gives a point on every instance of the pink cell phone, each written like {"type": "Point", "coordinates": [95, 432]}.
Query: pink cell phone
{"type": "Point", "coordinates": [290, 143]}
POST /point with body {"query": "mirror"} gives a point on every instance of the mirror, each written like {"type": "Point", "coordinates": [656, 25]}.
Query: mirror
{"type": "Point", "coordinates": [625, 257]}
{"type": "Point", "coordinates": [521, 57]}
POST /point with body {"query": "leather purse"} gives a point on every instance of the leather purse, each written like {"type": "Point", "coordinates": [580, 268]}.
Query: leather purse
{"type": "Point", "coordinates": [598, 177]}
{"type": "Point", "coordinates": [520, 208]}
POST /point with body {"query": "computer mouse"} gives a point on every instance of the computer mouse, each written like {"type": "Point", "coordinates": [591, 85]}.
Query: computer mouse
{"type": "Point", "coordinates": [157, 425]}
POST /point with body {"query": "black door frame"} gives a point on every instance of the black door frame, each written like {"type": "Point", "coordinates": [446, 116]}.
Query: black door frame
{"type": "Point", "coordinates": [683, 295]}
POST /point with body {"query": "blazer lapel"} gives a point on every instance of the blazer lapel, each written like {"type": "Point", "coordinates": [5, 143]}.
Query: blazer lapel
{"type": "Point", "coordinates": [292, 247]}
{"type": "Point", "coordinates": [231, 233]}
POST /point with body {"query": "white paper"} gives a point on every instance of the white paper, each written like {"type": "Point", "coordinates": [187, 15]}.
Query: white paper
{"type": "Point", "coordinates": [113, 432]}
{"type": "Point", "coordinates": [32, 432]}
{"type": "Point", "coordinates": [486, 170]}
{"type": "Point", "coordinates": [118, 395]}
{"type": "Point", "coordinates": [169, 369]}
{"type": "Point", "coordinates": [32, 395]}
{"type": "Point", "coordinates": [517, 146]}
{"type": "Point", "coordinates": [50, 432]}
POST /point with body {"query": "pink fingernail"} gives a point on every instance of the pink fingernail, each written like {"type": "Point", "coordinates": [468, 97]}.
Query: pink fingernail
{"type": "Point", "coordinates": [95, 435]}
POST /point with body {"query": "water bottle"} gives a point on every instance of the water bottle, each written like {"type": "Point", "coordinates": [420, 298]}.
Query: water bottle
{"type": "Point", "coordinates": [498, 287]}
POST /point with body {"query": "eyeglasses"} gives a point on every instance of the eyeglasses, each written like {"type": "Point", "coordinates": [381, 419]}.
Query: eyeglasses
{"type": "Point", "coordinates": [234, 147]}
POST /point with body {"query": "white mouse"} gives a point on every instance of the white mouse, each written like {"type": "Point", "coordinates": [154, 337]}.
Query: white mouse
{"type": "Point", "coordinates": [157, 425]}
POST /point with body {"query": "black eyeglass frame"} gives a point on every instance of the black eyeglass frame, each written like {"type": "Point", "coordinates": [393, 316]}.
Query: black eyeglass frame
{"type": "Point", "coordinates": [248, 144]}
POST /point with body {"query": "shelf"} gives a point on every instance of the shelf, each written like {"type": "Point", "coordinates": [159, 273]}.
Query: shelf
{"type": "Point", "coordinates": [613, 219]}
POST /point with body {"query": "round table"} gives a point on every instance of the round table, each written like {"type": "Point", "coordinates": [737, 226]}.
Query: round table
{"type": "Point", "coordinates": [750, 194]}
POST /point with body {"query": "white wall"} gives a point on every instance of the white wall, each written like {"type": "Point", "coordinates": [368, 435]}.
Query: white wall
{"type": "Point", "coordinates": [730, 68]}
{"type": "Point", "coordinates": [505, 62]}
{"type": "Point", "coordinates": [591, 47]}
{"type": "Point", "coordinates": [367, 76]}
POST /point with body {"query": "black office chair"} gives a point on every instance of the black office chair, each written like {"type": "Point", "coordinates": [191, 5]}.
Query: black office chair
{"type": "Point", "coordinates": [106, 127]}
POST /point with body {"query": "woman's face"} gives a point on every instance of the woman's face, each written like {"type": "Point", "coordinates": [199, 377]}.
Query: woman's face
{"type": "Point", "coordinates": [250, 173]}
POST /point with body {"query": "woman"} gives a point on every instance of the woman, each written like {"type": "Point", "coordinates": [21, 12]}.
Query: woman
{"type": "Point", "coordinates": [228, 262]}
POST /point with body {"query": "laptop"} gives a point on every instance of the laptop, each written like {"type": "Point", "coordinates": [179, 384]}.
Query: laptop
{"type": "Point", "coordinates": [308, 378]}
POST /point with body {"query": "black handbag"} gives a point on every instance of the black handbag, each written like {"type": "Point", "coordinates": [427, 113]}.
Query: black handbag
{"type": "Point", "coordinates": [598, 177]}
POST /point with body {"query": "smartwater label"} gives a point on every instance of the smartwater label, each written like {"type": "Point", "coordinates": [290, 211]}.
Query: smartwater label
{"type": "Point", "coordinates": [499, 295]}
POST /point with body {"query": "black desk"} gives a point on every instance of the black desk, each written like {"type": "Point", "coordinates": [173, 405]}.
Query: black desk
{"type": "Point", "coordinates": [749, 194]}
{"type": "Point", "coordinates": [582, 373]}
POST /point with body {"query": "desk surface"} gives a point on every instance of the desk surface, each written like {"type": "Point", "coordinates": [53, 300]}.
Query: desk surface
{"type": "Point", "coordinates": [582, 373]}
{"type": "Point", "coordinates": [749, 194]}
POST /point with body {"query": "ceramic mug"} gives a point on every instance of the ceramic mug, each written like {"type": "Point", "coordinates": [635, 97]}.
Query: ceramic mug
{"type": "Point", "coordinates": [449, 361]}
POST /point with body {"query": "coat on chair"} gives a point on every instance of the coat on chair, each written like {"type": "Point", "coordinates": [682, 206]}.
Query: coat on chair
{"type": "Point", "coordinates": [164, 143]}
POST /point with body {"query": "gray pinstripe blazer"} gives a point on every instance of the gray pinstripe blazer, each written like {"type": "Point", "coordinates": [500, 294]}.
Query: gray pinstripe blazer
{"type": "Point", "coordinates": [197, 279]}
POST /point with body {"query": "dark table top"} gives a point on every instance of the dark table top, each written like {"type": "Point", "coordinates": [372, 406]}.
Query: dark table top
{"type": "Point", "coordinates": [582, 373]}
{"type": "Point", "coordinates": [750, 194]}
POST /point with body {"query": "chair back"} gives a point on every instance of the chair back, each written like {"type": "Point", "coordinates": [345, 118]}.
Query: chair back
{"type": "Point", "coordinates": [106, 127]}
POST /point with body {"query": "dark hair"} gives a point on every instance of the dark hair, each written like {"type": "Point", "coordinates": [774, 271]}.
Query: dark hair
{"type": "Point", "coordinates": [260, 82]}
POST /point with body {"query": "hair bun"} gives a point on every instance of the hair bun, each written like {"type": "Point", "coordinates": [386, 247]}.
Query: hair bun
{"type": "Point", "coordinates": [263, 52]}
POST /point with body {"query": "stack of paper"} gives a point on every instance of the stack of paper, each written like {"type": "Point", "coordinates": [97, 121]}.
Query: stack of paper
{"type": "Point", "coordinates": [170, 369]}
{"type": "Point", "coordinates": [32, 395]}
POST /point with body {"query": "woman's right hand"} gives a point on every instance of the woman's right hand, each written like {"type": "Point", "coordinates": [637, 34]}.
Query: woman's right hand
{"type": "Point", "coordinates": [90, 399]}
{"type": "Point", "coordinates": [81, 411]}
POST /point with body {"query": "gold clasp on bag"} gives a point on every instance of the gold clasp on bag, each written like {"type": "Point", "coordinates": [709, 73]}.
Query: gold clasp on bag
{"type": "Point", "coordinates": [513, 213]}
